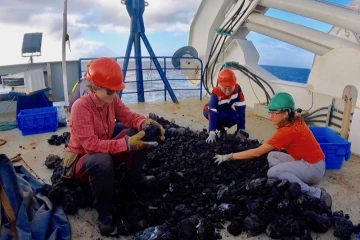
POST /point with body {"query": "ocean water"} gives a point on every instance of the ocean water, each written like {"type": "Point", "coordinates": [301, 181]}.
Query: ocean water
{"type": "Point", "coordinates": [154, 86]}
{"type": "Point", "coordinates": [291, 74]}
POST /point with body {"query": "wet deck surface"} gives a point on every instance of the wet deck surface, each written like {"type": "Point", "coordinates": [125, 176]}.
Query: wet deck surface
{"type": "Point", "coordinates": [341, 184]}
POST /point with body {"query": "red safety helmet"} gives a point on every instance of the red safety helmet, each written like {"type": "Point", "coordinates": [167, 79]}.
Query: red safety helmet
{"type": "Point", "coordinates": [106, 72]}
{"type": "Point", "coordinates": [226, 78]}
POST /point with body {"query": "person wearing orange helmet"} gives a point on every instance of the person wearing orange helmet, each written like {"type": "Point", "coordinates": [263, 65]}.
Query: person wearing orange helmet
{"type": "Point", "coordinates": [80, 88]}
{"type": "Point", "coordinates": [219, 110]}
{"type": "Point", "coordinates": [96, 145]}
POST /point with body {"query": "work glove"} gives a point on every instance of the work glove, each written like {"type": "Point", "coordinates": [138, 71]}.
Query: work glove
{"type": "Point", "coordinates": [223, 158]}
{"type": "Point", "coordinates": [134, 143]}
{"type": "Point", "coordinates": [211, 138]}
{"type": "Point", "coordinates": [150, 121]}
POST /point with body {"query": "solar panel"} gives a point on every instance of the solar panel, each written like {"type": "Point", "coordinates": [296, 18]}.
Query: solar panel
{"type": "Point", "coordinates": [32, 43]}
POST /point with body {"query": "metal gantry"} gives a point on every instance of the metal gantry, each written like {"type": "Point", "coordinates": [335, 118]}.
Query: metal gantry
{"type": "Point", "coordinates": [136, 10]}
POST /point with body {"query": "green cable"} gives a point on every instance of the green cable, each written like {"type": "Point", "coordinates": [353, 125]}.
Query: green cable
{"type": "Point", "coordinates": [5, 126]}
{"type": "Point", "coordinates": [223, 32]}
{"type": "Point", "coordinates": [231, 64]}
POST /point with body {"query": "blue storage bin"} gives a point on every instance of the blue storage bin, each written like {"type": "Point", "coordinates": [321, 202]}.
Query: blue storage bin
{"type": "Point", "coordinates": [37, 120]}
{"type": "Point", "coordinates": [335, 147]}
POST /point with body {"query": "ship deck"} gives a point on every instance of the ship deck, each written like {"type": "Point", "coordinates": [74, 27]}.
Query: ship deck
{"type": "Point", "coordinates": [341, 184]}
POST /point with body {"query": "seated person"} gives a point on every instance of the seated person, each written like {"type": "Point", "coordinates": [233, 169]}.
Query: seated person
{"type": "Point", "coordinates": [96, 145]}
{"type": "Point", "coordinates": [304, 161]}
{"type": "Point", "coordinates": [219, 109]}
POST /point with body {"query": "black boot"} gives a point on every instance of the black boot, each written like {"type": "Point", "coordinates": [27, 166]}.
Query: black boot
{"type": "Point", "coordinates": [326, 198]}
{"type": "Point", "coordinates": [223, 132]}
{"type": "Point", "coordinates": [107, 226]}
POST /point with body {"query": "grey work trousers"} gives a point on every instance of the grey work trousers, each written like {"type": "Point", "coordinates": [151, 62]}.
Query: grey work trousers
{"type": "Point", "coordinates": [283, 166]}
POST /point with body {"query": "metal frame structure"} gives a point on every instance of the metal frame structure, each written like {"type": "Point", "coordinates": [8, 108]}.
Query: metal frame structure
{"type": "Point", "coordinates": [218, 33]}
{"type": "Point", "coordinates": [63, 45]}
{"type": "Point", "coordinates": [167, 67]}
{"type": "Point", "coordinates": [136, 9]}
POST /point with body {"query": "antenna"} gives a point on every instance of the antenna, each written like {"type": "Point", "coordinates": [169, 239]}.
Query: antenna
{"type": "Point", "coordinates": [31, 45]}
{"type": "Point", "coordinates": [184, 59]}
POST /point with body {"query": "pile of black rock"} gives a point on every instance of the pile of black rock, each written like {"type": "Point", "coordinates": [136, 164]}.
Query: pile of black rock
{"type": "Point", "coordinates": [59, 139]}
{"type": "Point", "coordinates": [187, 196]}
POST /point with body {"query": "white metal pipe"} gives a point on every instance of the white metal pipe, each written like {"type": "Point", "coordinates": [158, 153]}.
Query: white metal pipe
{"type": "Point", "coordinates": [332, 14]}
{"type": "Point", "coordinates": [64, 71]}
{"type": "Point", "coordinates": [303, 37]}
{"type": "Point", "coordinates": [317, 49]}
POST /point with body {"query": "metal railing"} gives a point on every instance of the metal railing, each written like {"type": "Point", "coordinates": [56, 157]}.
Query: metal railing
{"type": "Point", "coordinates": [151, 77]}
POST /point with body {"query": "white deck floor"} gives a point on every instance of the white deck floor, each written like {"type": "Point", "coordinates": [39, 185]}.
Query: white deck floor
{"type": "Point", "coordinates": [341, 184]}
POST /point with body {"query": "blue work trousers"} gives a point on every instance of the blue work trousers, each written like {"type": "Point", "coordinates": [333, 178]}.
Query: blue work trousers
{"type": "Point", "coordinates": [223, 118]}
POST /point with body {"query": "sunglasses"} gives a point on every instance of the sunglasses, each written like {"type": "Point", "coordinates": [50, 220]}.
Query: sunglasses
{"type": "Point", "coordinates": [110, 92]}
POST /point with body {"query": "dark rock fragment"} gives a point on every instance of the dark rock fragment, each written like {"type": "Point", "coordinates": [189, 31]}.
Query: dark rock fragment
{"type": "Point", "coordinates": [253, 225]}
{"type": "Point", "coordinates": [222, 191]}
{"type": "Point", "coordinates": [344, 228]}
{"type": "Point", "coordinates": [283, 185]}
{"type": "Point", "coordinates": [227, 211]}
{"type": "Point", "coordinates": [273, 229]}
{"type": "Point", "coordinates": [319, 223]}
{"type": "Point", "coordinates": [163, 232]}
{"type": "Point", "coordinates": [254, 186]}
{"type": "Point", "coordinates": [234, 228]}
{"type": "Point", "coordinates": [51, 160]}
{"type": "Point", "coordinates": [59, 139]}
{"type": "Point", "coordinates": [293, 191]}
{"type": "Point", "coordinates": [69, 204]}
{"type": "Point", "coordinates": [152, 133]}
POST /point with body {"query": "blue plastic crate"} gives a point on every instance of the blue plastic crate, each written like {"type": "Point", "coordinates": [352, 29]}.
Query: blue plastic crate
{"type": "Point", "coordinates": [335, 147]}
{"type": "Point", "coordinates": [37, 120]}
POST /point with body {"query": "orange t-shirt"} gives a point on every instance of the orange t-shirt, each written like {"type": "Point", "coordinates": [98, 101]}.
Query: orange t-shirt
{"type": "Point", "coordinates": [298, 141]}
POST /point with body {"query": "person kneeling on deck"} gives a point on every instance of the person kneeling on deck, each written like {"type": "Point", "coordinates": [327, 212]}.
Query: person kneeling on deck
{"type": "Point", "coordinates": [96, 145]}
{"type": "Point", "coordinates": [304, 162]}
{"type": "Point", "coordinates": [219, 109]}
{"type": "Point", "coordinates": [80, 88]}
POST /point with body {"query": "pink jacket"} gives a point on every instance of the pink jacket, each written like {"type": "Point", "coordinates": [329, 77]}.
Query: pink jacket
{"type": "Point", "coordinates": [92, 125]}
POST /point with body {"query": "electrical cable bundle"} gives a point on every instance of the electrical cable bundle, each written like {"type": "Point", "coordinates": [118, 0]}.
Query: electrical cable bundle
{"type": "Point", "coordinates": [226, 29]}
{"type": "Point", "coordinates": [310, 119]}
{"type": "Point", "coordinates": [224, 33]}
{"type": "Point", "coordinates": [255, 78]}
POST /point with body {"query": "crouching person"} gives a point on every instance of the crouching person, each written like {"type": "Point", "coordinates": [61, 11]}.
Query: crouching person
{"type": "Point", "coordinates": [97, 144]}
{"type": "Point", "coordinates": [219, 110]}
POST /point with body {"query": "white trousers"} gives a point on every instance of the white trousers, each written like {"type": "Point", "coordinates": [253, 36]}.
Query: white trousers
{"type": "Point", "coordinates": [283, 166]}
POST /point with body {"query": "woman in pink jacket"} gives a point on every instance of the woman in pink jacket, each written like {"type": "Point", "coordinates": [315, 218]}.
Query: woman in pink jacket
{"type": "Point", "coordinates": [97, 143]}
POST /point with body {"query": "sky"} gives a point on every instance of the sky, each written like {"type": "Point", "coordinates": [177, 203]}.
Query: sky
{"type": "Point", "coordinates": [101, 28]}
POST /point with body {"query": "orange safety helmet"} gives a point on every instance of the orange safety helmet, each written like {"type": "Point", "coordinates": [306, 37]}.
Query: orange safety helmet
{"type": "Point", "coordinates": [226, 78]}
{"type": "Point", "coordinates": [106, 72]}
